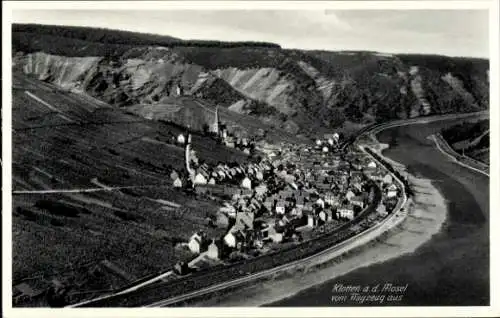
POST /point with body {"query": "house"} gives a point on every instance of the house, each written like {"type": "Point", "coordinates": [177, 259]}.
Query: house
{"type": "Point", "coordinates": [177, 183]}
{"type": "Point", "coordinates": [358, 186]}
{"type": "Point", "coordinates": [259, 175]}
{"type": "Point", "coordinates": [213, 251]}
{"type": "Point", "coordinates": [246, 183]}
{"type": "Point", "coordinates": [195, 243]}
{"type": "Point", "coordinates": [222, 220]}
{"type": "Point", "coordinates": [181, 139]}
{"type": "Point", "coordinates": [381, 210]}
{"type": "Point", "coordinates": [276, 237]}
{"type": "Point", "coordinates": [261, 189]}
{"type": "Point", "coordinates": [349, 195]}
{"type": "Point", "coordinates": [376, 176]}
{"type": "Point", "coordinates": [221, 174]}
{"type": "Point", "coordinates": [392, 187]}
{"type": "Point", "coordinates": [320, 202]}
{"type": "Point", "coordinates": [387, 179]}
{"type": "Point", "coordinates": [371, 165]}
{"type": "Point", "coordinates": [307, 207]}
{"type": "Point", "coordinates": [244, 220]}
{"type": "Point", "coordinates": [311, 221]}
{"type": "Point", "coordinates": [268, 204]}
{"type": "Point", "coordinates": [331, 199]}
{"type": "Point", "coordinates": [200, 179]}
{"type": "Point", "coordinates": [273, 235]}
{"type": "Point", "coordinates": [283, 221]}
{"type": "Point", "coordinates": [346, 211]}
{"type": "Point", "coordinates": [255, 202]}
{"type": "Point", "coordinates": [392, 191]}
{"type": "Point", "coordinates": [322, 216]}
{"type": "Point", "coordinates": [231, 239]}
{"type": "Point", "coordinates": [280, 207]}
{"type": "Point", "coordinates": [211, 181]}
{"type": "Point", "coordinates": [357, 200]}
{"type": "Point", "coordinates": [296, 212]}
{"type": "Point", "coordinates": [356, 175]}
{"type": "Point", "coordinates": [329, 215]}
{"type": "Point", "coordinates": [174, 175]}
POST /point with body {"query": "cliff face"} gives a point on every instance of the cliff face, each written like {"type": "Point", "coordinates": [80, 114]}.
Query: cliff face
{"type": "Point", "coordinates": [301, 91]}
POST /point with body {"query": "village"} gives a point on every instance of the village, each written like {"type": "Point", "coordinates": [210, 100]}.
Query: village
{"type": "Point", "coordinates": [294, 193]}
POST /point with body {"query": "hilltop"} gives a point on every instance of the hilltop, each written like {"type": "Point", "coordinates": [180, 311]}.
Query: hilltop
{"type": "Point", "coordinates": [302, 92]}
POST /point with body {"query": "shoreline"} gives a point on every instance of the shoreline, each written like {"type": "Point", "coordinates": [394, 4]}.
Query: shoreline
{"type": "Point", "coordinates": [428, 212]}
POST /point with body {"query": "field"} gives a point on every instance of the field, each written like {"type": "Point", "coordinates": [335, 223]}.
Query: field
{"type": "Point", "coordinates": [98, 239]}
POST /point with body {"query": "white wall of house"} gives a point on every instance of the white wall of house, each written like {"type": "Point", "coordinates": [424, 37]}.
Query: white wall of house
{"type": "Point", "coordinates": [177, 183]}
{"type": "Point", "coordinates": [213, 251]}
{"type": "Point", "coordinates": [181, 139]}
{"type": "Point", "coordinates": [194, 246]}
{"type": "Point", "coordinates": [392, 193]}
{"type": "Point", "coordinates": [246, 183]}
{"type": "Point", "coordinates": [230, 240]}
{"type": "Point", "coordinates": [200, 179]}
{"type": "Point", "coordinates": [280, 209]}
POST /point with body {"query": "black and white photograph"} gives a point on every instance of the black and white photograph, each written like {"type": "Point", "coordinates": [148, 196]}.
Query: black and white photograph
{"type": "Point", "coordinates": [219, 156]}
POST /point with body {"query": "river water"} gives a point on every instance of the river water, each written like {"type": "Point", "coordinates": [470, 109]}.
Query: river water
{"type": "Point", "coordinates": [452, 268]}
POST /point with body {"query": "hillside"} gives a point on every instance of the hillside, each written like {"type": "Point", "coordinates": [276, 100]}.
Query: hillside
{"type": "Point", "coordinates": [299, 91]}
{"type": "Point", "coordinates": [97, 240]}
{"type": "Point", "coordinates": [471, 139]}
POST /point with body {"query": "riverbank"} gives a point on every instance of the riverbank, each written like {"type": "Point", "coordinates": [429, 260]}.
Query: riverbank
{"type": "Point", "coordinates": [426, 214]}
{"type": "Point", "coordinates": [469, 162]}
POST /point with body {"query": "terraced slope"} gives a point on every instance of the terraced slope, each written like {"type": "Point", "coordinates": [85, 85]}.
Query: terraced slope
{"type": "Point", "coordinates": [67, 146]}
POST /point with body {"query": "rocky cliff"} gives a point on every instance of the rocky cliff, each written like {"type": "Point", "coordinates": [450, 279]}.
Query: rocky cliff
{"type": "Point", "coordinates": [300, 91]}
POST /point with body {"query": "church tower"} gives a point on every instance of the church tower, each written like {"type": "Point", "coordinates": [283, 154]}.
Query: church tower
{"type": "Point", "coordinates": [189, 169]}
{"type": "Point", "coordinates": [215, 127]}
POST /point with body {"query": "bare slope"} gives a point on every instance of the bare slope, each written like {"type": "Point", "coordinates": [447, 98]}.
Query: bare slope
{"type": "Point", "coordinates": [301, 91]}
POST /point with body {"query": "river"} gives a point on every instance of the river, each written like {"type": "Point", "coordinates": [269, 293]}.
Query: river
{"type": "Point", "coordinates": [452, 268]}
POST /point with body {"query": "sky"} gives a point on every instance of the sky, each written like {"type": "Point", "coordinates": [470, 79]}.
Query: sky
{"type": "Point", "coordinates": [446, 32]}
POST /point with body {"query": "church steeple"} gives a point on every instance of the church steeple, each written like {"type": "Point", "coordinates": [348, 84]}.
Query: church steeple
{"type": "Point", "coordinates": [215, 127]}
{"type": "Point", "coordinates": [187, 154]}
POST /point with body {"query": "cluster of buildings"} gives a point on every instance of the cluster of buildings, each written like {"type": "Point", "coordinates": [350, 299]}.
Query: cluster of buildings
{"type": "Point", "coordinates": [294, 190]}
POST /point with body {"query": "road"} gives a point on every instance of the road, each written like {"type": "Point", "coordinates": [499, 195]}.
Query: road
{"type": "Point", "coordinates": [374, 129]}
{"type": "Point", "coordinates": [450, 153]}
{"type": "Point", "coordinates": [82, 190]}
